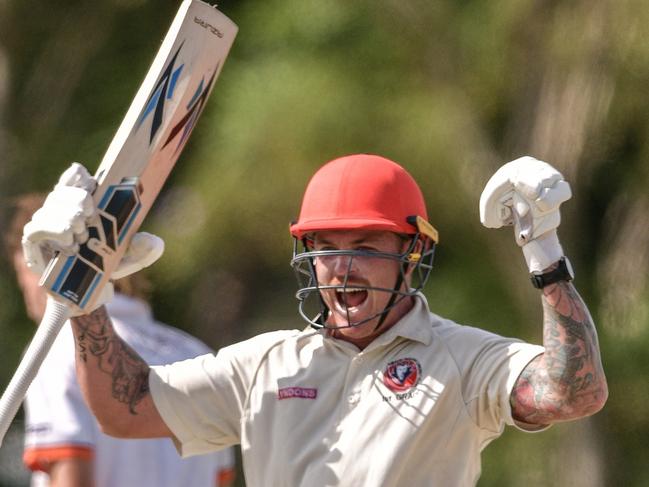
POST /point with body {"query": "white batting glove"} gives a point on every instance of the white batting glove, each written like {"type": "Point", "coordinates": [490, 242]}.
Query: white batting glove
{"type": "Point", "coordinates": [61, 225]}
{"type": "Point", "coordinates": [527, 194]}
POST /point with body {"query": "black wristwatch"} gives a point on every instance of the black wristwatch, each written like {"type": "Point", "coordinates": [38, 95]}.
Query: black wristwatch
{"type": "Point", "coordinates": [563, 272]}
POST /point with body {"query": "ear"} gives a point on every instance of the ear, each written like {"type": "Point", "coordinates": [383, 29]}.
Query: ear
{"type": "Point", "coordinates": [413, 257]}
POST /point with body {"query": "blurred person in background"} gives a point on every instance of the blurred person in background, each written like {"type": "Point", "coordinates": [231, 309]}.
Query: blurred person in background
{"type": "Point", "coordinates": [64, 445]}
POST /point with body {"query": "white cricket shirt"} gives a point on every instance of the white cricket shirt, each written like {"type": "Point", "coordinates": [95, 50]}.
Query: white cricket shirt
{"type": "Point", "coordinates": [59, 425]}
{"type": "Point", "coordinates": [415, 408]}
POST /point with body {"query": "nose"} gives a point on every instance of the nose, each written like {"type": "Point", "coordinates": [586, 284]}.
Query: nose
{"type": "Point", "coordinates": [342, 264]}
{"type": "Point", "coordinates": [339, 266]}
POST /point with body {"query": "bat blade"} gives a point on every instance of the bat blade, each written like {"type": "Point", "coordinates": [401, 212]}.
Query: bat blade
{"type": "Point", "coordinates": [145, 148]}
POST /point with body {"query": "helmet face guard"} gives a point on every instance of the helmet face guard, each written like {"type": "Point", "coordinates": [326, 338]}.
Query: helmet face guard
{"type": "Point", "coordinates": [361, 192]}
{"type": "Point", "coordinates": [414, 271]}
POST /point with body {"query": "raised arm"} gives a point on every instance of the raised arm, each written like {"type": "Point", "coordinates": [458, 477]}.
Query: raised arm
{"type": "Point", "coordinates": [567, 381]}
{"type": "Point", "coordinates": [114, 380]}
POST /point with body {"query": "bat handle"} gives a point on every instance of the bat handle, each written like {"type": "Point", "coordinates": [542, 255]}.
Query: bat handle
{"type": "Point", "coordinates": [56, 314]}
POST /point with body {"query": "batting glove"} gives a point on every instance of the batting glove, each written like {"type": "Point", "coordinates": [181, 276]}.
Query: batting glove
{"type": "Point", "coordinates": [61, 225]}
{"type": "Point", "coordinates": [527, 194]}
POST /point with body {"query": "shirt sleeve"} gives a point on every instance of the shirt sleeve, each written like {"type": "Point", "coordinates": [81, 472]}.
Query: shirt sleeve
{"type": "Point", "coordinates": [202, 399]}
{"type": "Point", "coordinates": [490, 365]}
{"type": "Point", "coordinates": [58, 424]}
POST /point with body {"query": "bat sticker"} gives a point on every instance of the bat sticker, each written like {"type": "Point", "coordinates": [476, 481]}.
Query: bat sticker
{"type": "Point", "coordinates": [164, 90]}
{"type": "Point", "coordinates": [194, 107]}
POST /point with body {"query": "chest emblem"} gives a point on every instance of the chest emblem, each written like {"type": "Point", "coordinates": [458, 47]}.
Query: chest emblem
{"type": "Point", "coordinates": [401, 375]}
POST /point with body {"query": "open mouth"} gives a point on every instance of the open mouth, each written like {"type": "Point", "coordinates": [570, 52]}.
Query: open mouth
{"type": "Point", "coordinates": [350, 298]}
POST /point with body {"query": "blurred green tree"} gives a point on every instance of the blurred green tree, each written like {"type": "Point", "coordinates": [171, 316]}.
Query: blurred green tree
{"type": "Point", "coordinates": [450, 89]}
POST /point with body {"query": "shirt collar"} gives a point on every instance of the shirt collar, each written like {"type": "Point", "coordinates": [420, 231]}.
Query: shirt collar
{"type": "Point", "coordinates": [412, 326]}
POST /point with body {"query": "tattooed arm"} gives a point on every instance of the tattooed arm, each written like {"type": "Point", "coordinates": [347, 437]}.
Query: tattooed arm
{"type": "Point", "coordinates": [114, 380]}
{"type": "Point", "coordinates": [567, 381]}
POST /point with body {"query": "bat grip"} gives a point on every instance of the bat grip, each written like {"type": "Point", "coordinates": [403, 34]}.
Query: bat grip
{"type": "Point", "coordinates": [56, 314]}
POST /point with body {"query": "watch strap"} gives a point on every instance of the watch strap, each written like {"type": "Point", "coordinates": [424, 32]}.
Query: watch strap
{"type": "Point", "coordinates": [563, 272]}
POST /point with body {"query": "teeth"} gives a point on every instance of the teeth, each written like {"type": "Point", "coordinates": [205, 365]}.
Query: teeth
{"type": "Point", "coordinates": [350, 290]}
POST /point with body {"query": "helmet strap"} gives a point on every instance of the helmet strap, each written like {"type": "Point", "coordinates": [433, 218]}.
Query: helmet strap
{"type": "Point", "coordinates": [390, 303]}
{"type": "Point", "coordinates": [397, 285]}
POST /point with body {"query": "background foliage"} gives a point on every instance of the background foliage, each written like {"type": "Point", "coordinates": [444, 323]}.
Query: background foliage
{"type": "Point", "coordinates": [451, 89]}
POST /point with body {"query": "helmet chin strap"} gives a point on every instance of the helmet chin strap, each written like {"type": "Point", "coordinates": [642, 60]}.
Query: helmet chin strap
{"type": "Point", "coordinates": [390, 303]}
{"type": "Point", "coordinates": [397, 286]}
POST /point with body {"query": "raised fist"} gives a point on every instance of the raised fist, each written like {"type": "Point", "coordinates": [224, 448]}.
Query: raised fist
{"type": "Point", "coordinates": [527, 194]}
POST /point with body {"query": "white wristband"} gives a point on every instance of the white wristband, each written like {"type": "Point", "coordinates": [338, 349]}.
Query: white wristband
{"type": "Point", "coordinates": [542, 252]}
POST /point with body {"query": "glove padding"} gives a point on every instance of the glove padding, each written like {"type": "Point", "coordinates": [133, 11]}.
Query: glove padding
{"type": "Point", "coordinates": [527, 194]}
{"type": "Point", "coordinates": [61, 225]}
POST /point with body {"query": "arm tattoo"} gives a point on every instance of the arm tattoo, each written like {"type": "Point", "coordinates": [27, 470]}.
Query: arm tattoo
{"type": "Point", "coordinates": [96, 337]}
{"type": "Point", "coordinates": [567, 381]}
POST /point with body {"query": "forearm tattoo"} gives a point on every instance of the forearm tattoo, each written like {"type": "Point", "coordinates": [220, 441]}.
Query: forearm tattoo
{"type": "Point", "coordinates": [567, 380]}
{"type": "Point", "coordinates": [96, 337]}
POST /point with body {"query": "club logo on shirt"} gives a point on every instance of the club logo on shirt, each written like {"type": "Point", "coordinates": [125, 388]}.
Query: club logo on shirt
{"type": "Point", "coordinates": [401, 375]}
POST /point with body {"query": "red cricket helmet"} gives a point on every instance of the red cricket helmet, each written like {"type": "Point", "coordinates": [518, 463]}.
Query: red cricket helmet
{"type": "Point", "coordinates": [363, 191]}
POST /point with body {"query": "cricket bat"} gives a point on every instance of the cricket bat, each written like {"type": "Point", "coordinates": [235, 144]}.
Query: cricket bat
{"type": "Point", "coordinates": [146, 147]}
{"type": "Point", "coordinates": [137, 162]}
